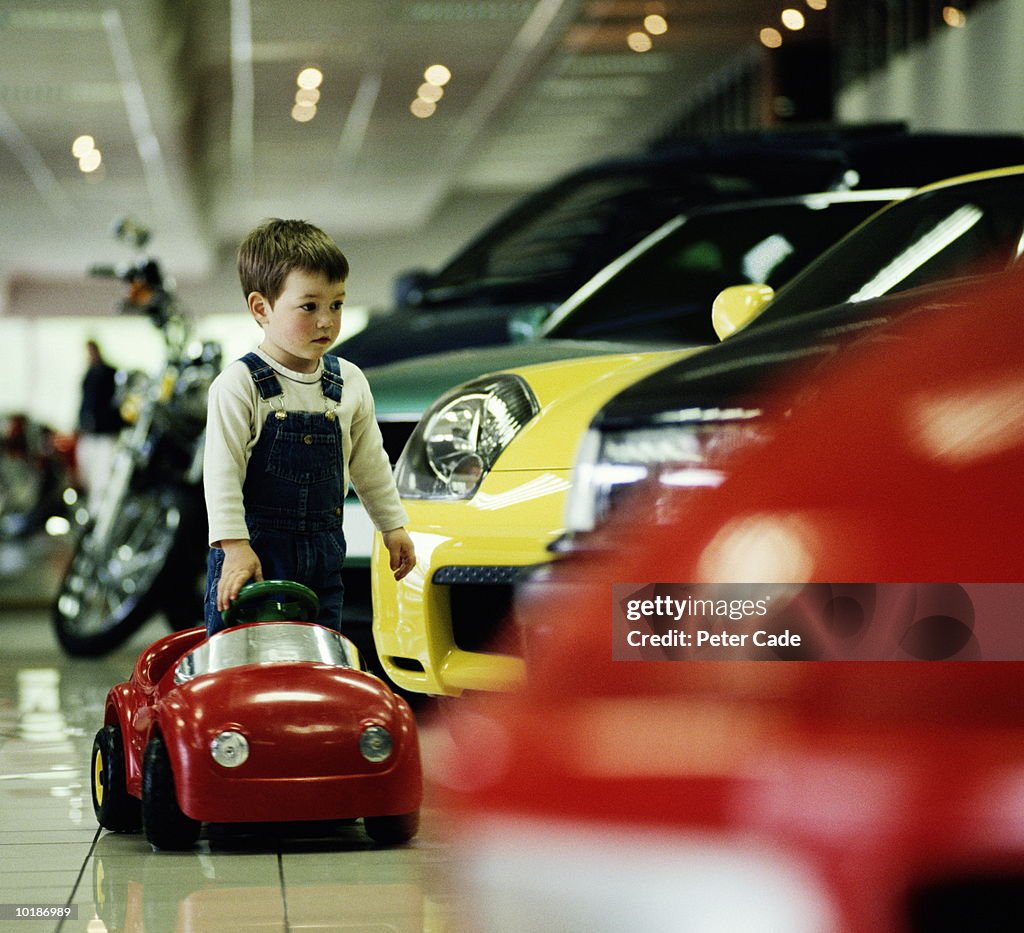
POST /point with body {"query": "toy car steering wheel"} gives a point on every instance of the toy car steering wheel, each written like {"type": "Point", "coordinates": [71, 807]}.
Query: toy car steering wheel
{"type": "Point", "coordinates": [273, 601]}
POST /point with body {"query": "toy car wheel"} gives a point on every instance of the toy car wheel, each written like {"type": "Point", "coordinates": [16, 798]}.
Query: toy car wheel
{"type": "Point", "coordinates": [116, 809]}
{"type": "Point", "coordinates": [390, 830]}
{"type": "Point", "coordinates": [165, 824]}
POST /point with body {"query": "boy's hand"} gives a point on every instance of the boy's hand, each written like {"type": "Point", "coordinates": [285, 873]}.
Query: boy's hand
{"type": "Point", "coordinates": [240, 566]}
{"type": "Point", "coordinates": [400, 547]}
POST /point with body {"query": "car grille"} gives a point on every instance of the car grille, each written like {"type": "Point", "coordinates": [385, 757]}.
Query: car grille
{"type": "Point", "coordinates": [446, 576]}
{"type": "Point", "coordinates": [482, 603]}
{"type": "Point", "coordinates": [482, 619]}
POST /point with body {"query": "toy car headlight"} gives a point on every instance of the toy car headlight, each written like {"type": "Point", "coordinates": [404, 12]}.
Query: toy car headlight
{"type": "Point", "coordinates": [461, 435]}
{"type": "Point", "coordinates": [689, 454]}
{"type": "Point", "coordinates": [375, 743]}
{"type": "Point", "coordinates": [229, 749]}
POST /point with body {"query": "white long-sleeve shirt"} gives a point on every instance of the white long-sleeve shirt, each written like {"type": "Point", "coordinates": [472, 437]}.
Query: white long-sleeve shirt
{"type": "Point", "coordinates": [235, 418]}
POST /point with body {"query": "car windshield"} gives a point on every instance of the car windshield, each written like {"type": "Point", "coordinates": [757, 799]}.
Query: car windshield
{"type": "Point", "coordinates": [267, 643]}
{"type": "Point", "coordinates": [558, 239]}
{"type": "Point", "coordinates": [963, 230]}
{"type": "Point", "coordinates": [570, 240]}
{"type": "Point", "coordinates": [665, 293]}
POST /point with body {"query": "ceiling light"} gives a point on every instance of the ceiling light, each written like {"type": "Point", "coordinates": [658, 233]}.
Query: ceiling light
{"type": "Point", "coordinates": [793, 19]}
{"type": "Point", "coordinates": [422, 108]}
{"type": "Point", "coordinates": [639, 41]}
{"type": "Point", "coordinates": [303, 113]}
{"type": "Point", "coordinates": [309, 78]}
{"type": "Point", "coordinates": [771, 38]}
{"type": "Point", "coordinates": [90, 161]}
{"type": "Point", "coordinates": [431, 92]}
{"type": "Point", "coordinates": [655, 24]}
{"type": "Point", "coordinates": [817, 4]}
{"type": "Point", "coordinates": [437, 74]}
{"type": "Point", "coordinates": [952, 16]}
{"type": "Point", "coordinates": [82, 145]}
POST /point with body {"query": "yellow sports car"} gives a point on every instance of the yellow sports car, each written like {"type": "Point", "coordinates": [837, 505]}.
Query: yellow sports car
{"type": "Point", "coordinates": [485, 472]}
{"type": "Point", "coordinates": [491, 512]}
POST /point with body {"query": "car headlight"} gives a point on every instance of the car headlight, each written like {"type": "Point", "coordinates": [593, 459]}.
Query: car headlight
{"type": "Point", "coordinates": [229, 749]}
{"type": "Point", "coordinates": [687, 454]}
{"type": "Point", "coordinates": [375, 744]}
{"type": "Point", "coordinates": [461, 435]}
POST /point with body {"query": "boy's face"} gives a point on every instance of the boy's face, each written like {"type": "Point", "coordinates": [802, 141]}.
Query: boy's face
{"type": "Point", "coordinates": [303, 323]}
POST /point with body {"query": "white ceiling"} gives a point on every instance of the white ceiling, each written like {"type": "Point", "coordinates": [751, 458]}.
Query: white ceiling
{"type": "Point", "coordinates": [189, 103]}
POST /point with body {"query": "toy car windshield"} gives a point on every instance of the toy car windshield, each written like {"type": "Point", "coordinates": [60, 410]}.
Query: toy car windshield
{"type": "Point", "coordinates": [267, 643]}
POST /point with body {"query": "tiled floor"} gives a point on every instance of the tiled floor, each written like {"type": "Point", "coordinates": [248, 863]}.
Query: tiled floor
{"type": "Point", "coordinates": [53, 852]}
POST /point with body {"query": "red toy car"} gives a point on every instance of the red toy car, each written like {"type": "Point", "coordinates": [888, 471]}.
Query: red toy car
{"type": "Point", "coordinates": [270, 720]}
{"type": "Point", "coordinates": [881, 796]}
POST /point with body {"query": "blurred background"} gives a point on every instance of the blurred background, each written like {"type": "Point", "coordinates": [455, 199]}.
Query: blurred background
{"type": "Point", "coordinates": [402, 128]}
{"type": "Point", "coordinates": [551, 192]}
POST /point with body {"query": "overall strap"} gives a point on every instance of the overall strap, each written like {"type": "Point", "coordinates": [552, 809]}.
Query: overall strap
{"type": "Point", "coordinates": [263, 375]}
{"type": "Point", "coordinates": [331, 381]}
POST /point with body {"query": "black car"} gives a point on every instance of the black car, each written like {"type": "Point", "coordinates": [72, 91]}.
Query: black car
{"type": "Point", "coordinates": [682, 423]}
{"type": "Point", "coordinates": [504, 283]}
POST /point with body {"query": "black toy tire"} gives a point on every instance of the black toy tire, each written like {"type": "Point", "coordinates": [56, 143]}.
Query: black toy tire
{"type": "Point", "coordinates": [165, 825]}
{"type": "Point", "coordinates": [392, 830]}
{"type": "Point", "coordinates": [115, 808]}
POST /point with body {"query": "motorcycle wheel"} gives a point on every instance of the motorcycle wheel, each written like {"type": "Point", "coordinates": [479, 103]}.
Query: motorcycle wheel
{"type": "Point", "coordinates": [112, 587]}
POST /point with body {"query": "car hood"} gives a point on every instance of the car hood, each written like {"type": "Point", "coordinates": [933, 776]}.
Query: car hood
{"type": "Point", "coordinates": [407, 334]}
{"type": "Point", "coordinates": [284, 706]}
{"type": "Point", "coordinates": [727, 373]}
{"type": "Point", "coordinates": [408, 387]}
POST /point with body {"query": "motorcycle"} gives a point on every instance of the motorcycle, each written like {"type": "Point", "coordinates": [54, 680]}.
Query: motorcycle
{"type": "Point", "coordinates": [142, 549]}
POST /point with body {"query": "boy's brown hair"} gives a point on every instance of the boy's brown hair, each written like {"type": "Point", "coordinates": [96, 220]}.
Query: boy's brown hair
{"type": "Point", "coordinates": [276, 247]}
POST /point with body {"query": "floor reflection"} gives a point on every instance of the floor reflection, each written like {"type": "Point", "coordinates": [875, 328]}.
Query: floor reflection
{"type": "Point", "coordinates": [254, 877]}
{"type": "Point", "coordinates": [237, 881]}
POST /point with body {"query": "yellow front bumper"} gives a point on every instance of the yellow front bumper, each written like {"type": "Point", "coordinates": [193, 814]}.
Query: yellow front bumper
{"type": "Point", "coordinates": [504, 527]}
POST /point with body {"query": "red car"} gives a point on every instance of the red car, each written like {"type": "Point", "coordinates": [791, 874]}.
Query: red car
{"type": "Point", "coordinates": [874, 796]}
{"type": "Point", "coordinates": [270, 720]}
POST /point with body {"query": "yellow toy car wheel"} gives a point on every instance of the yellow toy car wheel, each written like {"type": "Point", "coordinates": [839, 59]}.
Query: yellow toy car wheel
{"type": "Point", "coordinates": [115, 808]}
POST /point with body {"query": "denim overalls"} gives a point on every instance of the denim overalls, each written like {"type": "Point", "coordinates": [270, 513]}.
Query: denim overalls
{"type": "Point", "coordinates": [293, 496]}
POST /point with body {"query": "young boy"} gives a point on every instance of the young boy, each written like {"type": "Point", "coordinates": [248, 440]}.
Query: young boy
{"type": "Point", "coordinates": [288, 428]}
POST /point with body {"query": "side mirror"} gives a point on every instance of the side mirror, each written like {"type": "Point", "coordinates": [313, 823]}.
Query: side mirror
{"type": "Point", "coordinates": [409, 287]}
{"type": "Point", "coordinates": [737, 306]}
{"type": "Point", "coordinates": [524, 323]}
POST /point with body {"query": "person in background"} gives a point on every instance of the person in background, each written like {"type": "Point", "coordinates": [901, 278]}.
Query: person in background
{"type": "Point", "coordinates": [99, 423]}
